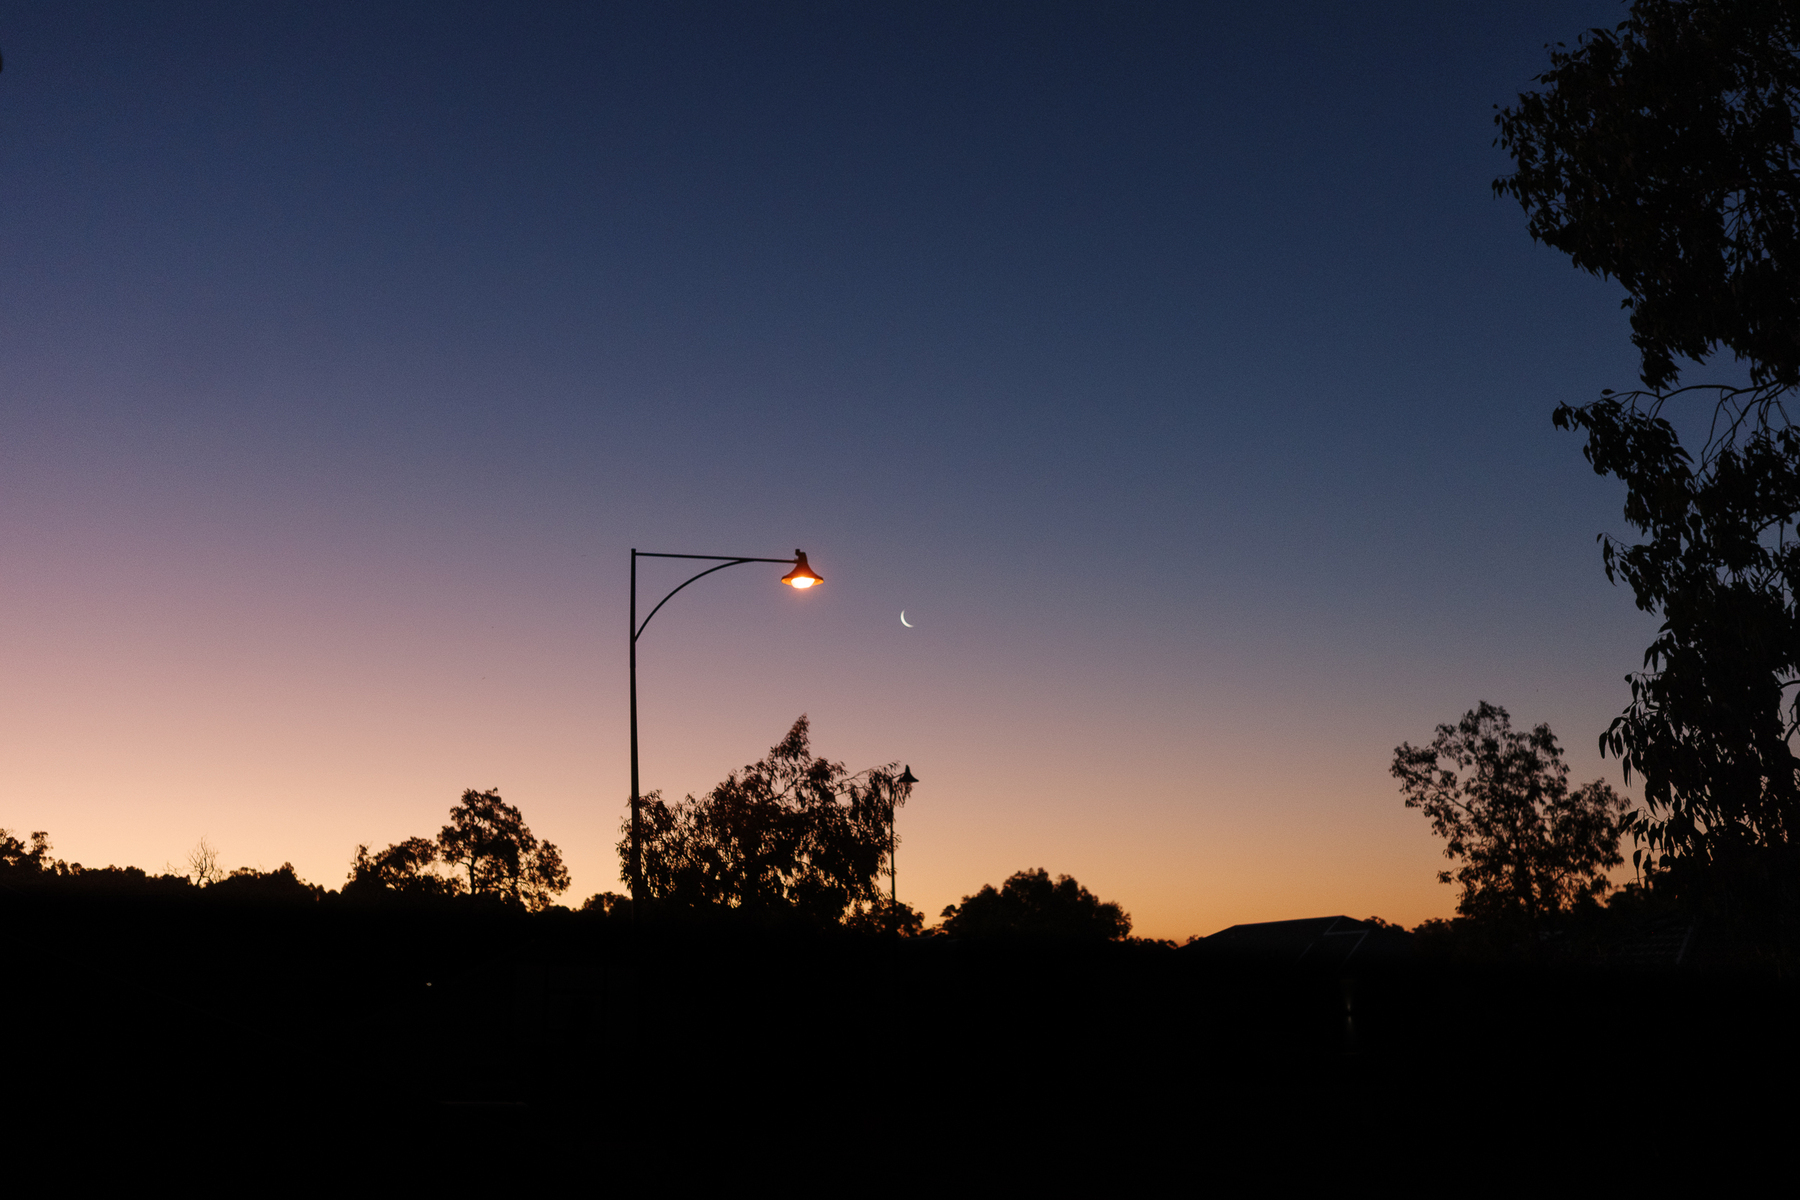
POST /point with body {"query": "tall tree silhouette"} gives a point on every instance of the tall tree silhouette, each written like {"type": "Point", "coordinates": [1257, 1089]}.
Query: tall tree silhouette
{"type": "Point", "coordinates": [488, 838]}
{"type": "Point", "coordinates": [1662, 154]}
{"type": "Point", "coordinates": [1529, 847]}
{"type": "Point", "coordinates": [794, 833]}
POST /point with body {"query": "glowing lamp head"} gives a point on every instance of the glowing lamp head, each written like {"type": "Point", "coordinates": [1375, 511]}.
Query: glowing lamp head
{"type": "Point", "coordinates": [802, 576]}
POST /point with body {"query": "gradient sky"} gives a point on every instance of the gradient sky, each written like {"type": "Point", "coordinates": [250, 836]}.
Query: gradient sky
{"type": "Point", "coordinates": [1172, 366]}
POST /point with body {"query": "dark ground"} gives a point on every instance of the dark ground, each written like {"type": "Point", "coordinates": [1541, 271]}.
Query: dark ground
{"type": "Point", "coordinates": [165, 1037]}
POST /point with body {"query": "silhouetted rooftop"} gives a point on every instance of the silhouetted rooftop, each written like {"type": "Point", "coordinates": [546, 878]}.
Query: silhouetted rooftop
{"type": "Point", "coordinates": [1313, 940]}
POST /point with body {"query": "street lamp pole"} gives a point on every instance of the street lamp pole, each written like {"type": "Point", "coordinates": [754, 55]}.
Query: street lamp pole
{"type": "Point", "coordinates": [906, 781]}
{"type": "Point", "coordinates": [800, 578]}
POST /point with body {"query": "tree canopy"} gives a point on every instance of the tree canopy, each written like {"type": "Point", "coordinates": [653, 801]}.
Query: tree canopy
{"type": "Point", "coordinates": [1530, 848]}
{"type": "Point", "coordinates": [1661, 154]}
{"type": "Point", "coordinates": [487, 841]}
{"type": "Point", "coordinates": [793, 833]}
{"type": "Point", "coordinates": [404, 867]}
{"type": "Point", "coordinates": [25, 857]}
{"type": "Point", "coordinates": [282, 885]}
{"type": "Point", "coordinates": [1030, 905]}
{"type": "Point", "coordinates": [32, 864]}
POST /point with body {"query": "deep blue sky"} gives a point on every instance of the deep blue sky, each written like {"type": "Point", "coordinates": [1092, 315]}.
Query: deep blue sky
{"type": "Point", "coordinates": [1174, 366]}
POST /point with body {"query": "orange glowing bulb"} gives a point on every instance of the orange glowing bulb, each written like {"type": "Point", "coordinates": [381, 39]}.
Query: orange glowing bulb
{"type": "Point", "coordinates": [802, 576]}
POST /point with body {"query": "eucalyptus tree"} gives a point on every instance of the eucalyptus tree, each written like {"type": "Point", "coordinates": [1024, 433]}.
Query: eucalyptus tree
{"type": "Point", "coordinates": [794, 833]}
{"type": "Point", "coordinates": [485, 850]}
{"type": "Point", "coordinates": [488, 839]}
{"type": "Point", "coordinates": [1661, 154]}
{"type": "Point", "coordinates": [1529, 848]}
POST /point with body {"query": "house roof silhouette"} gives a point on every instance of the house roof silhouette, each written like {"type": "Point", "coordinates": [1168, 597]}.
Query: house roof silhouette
{"type": "Point", "coordinates": [1313, 941]}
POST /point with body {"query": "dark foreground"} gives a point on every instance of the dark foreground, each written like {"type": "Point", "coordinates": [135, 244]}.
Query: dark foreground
{"type": "Point", "coordinates": [158, 1038]}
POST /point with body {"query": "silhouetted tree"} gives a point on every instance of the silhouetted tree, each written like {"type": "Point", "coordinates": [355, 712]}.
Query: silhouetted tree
{"type": "Point", "coordinates": [25, 858]}
{"type": "Point", "coordinates": [1529, 847]}
{"type": "Point", "coordinates": [119, 881]}
{"type": "Point", "coordinates": [282, 885]}
{"type": "Point", "coordinates": [886, 917]}
{"type": "Point", "coordinates": [404, 867]}
{"type": "Point", "coordinates": [203, 865]}
{"type": "Point", "coordinates": [31, 864]}
{"type": "Point", "coordinates": [1662, 154]}
{"type": "Point", "coordinates": [1029, 904]}
{"type": "Point", "coordinates": [792, 833]}
{"type": "Point", "coordinates": [489, 839]}
{"type": "Point", "coordinates": [607, 904]}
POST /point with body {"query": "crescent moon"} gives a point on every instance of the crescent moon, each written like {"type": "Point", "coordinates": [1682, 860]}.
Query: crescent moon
{"type": "Point", "coordinates": [903, 619]}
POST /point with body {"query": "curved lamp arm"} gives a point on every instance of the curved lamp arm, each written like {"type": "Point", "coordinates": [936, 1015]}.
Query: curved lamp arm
{"type": "Point", "coordinates": [730, 562]}
{"type": "Point", "coordinates": [801, 576]}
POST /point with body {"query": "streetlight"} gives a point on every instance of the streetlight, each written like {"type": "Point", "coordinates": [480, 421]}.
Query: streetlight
{"type": "Point", "coordinates": [906, 781]}
{"type": "Point", "coordinates": [800, 578]}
